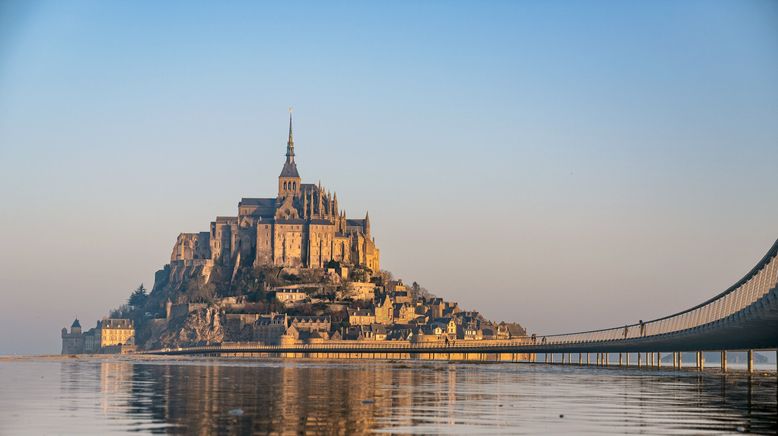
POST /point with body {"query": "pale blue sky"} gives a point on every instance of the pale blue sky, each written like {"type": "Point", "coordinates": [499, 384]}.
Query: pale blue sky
{"type": "Point", "coordinates": [567, 165]}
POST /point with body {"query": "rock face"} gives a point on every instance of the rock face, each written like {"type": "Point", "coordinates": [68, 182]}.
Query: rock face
{"type": "Point", "coordinates": [203, 326]}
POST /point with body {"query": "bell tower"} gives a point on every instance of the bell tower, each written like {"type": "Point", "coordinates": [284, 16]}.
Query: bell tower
{"type": "Point", "coordinates": [289, 180]}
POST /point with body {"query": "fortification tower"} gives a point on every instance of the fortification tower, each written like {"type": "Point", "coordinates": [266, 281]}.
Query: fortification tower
{"type": "Point", "coordinates": [75, 328]}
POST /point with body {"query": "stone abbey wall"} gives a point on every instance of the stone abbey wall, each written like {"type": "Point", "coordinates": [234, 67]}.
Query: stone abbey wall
{"type": "Point", "coordinates": [301, 227]}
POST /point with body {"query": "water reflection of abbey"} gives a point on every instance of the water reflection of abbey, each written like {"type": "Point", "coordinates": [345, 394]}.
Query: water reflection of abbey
{"type": "Point", "coordinates": [335, 398]}
{"type": "Point", "coordinates": [284, 399]}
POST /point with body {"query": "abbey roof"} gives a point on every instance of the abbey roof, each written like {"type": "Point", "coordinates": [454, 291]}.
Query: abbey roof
{"type": "Point", "coordinates": [263, 202]}
{"type": "Point", "coordinates": [289, 170]}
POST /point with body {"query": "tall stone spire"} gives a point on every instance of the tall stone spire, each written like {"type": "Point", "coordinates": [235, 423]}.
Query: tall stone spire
{"type": "Point", "coordinates": [290, 167]}
{"type": "Point", "coordinates": [290, 141]}
{"type": "Point", "coordinates": [289, 180]}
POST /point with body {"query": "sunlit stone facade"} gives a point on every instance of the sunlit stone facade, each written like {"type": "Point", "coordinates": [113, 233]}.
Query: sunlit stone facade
{"type": "Point", "coordinates": [302, 226]}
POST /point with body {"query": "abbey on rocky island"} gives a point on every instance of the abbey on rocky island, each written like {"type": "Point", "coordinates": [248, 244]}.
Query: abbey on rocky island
{"type": "Point", "coordinates": [301, 227]}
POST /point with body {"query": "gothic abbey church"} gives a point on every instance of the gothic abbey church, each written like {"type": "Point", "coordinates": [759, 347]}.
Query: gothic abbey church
{"type": "Point", "coordinates": [301, 227]}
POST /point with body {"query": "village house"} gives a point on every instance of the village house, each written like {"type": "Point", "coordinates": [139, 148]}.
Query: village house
{"type": "Point", "coordinates": [384, 313]}
{"type": "Point", "coordinates": [310, 323]}
{"type": "Point", "coordinates": [358, 317]}
{"type": "Point", "coordinates": [510, 331]}
{"type": "Point", "coordinates": [268, 329]}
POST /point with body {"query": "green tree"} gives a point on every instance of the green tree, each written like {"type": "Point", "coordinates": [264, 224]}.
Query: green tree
{"type": "Point", "coordinates": [138, 297]}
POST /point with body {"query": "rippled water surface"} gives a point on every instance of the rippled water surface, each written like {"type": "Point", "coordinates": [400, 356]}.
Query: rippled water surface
{"type": "Point", "coordinates": [116, 395]}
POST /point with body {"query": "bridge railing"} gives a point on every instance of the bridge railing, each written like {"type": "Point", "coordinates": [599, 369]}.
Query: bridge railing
{"type": "Point", "coordinates": [755, 285]}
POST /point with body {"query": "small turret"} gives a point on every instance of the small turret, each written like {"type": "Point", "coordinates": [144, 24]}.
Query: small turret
{"type": "Point", "coordinates": [75, 328]}
{"type": "Point", "coordinates": [321, 204]}
{"type": "Point", "coordinates": [367, 225]}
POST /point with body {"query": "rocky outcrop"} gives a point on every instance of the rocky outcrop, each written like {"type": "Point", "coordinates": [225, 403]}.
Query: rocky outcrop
{"type": "Point", "coordinates": [203, 326]}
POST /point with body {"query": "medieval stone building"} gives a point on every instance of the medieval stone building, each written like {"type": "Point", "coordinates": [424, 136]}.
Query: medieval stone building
{"type": "Point", "coordinates": [302, 226]}
{"type": "Point", "coordinates": [108, 336]}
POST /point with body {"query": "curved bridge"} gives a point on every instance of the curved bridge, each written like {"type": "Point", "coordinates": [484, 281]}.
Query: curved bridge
{"type": "Point", "coordinates": [743, 317]}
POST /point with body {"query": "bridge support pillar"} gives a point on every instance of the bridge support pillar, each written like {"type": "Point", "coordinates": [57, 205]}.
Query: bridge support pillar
{"type": "Point", "coordinates": [750, 361]}
{"type": "Point", "coordinates": [680, 360]}
{"type": "Point", "coordinates": [658, 359]}
{"type": "Point", "coordinates": [588, 359]}
{"type": "Point", "coordinates": [605, 358]}
{"type": "Point", "coordinates": [639, 360]}
{"type": "Point", "coordinates": [700, 360]}
{"type": "Point", "coordinates": [580, 359]}
{"type": "Point", "coordinates": [675, 360]}
{"type": "Point", "coordinates": [723, 361]}
{"type": "Point", "coordinates": [626, 359]}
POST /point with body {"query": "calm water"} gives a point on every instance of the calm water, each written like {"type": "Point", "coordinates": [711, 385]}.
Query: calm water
{"type": "Point", "coordinates": [102, 396]}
